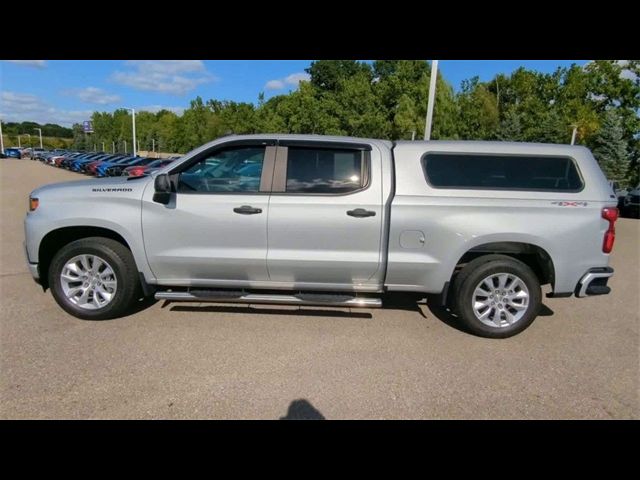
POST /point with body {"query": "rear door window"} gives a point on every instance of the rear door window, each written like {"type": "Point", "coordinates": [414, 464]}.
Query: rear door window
{"type": "Point", "coordinates": [325, 170]}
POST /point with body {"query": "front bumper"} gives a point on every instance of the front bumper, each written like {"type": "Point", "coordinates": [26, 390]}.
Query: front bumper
{"type": "Point", "coordinates": [594, 282]}
{"type": "Point", "coordinates": [33, 267]}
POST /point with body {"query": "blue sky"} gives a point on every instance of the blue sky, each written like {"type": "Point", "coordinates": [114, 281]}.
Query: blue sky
{"type": "Point", "coordinates": [67, 91]}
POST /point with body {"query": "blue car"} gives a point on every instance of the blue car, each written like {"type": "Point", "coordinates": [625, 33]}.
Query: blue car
{"type": "Point", "coordinates": [13, 152]}
{"type": "Point", "coordinates": [69, 159]}
{"type": "Point", "coordinates": [75, 165]}
{"type": "Point", "coordinates": [101, 171]}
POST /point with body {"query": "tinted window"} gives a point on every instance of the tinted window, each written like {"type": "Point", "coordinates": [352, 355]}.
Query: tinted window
{"type": "Point", "coordinates": [312, 170]}
{"type": "Point", "coordinates": [508, 172]}
{"type": "Point", "coordinates": [231, 170]}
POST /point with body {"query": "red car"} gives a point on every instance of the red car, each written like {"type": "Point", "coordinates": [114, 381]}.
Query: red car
{"type": "Point", "coordinates": [138, 170]}
{"type": "Point", "coordinates": [57, 160]}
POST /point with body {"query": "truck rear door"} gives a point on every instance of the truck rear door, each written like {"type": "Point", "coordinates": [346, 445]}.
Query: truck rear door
{"type": "Point", "coordinates": [325, 216]}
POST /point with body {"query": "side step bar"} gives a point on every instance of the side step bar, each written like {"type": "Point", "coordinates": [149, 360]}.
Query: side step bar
{"type": "Point", "coordinates": [213, 296]}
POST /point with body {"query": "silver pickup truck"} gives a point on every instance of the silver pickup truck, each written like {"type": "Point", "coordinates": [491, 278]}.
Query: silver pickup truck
{"type": "Point", "coordinates": [339, 221]}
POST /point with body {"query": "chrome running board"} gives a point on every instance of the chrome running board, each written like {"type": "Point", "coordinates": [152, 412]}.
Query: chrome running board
{"type": "Point", "coordinates": [225, 296]}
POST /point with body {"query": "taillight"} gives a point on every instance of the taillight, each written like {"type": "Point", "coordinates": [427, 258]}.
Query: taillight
{"type": "Point", "coordinates": [611, 215]}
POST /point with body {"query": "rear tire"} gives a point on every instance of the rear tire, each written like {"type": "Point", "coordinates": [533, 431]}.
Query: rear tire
{"type": "Point", "coordinates": [512, 301]}
{"type": "Point", "coordinates": [106, 254]}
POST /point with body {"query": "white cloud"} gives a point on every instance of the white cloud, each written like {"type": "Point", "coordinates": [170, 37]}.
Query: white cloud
{"type": "Point", "coordinates": [168, 67]}
{"type": "Point", "coordinates": [21, 107]}
{"type": "Point", "coordinates": [295, 78]}
{"type": "Point", "coordinates": [30, 63]}
{"type": "Point", "coordinates": [629, 75]}
{"type": "Point", "coordinates": [172, 77]}
{"type": "Point", "coordinates": [274, 85]}
{"type": "Point", "coordinates": [93, 95]}
{"type": "Point", "coordinates": [292, 80]}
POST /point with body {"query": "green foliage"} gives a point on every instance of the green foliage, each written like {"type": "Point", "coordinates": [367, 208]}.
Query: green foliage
{"type": "Point", "coordinates": [510, 128]}
{"type": "Point", "coordinates": [48, 130]}
{"type": "Point", "coordinates": [478, 111]}
{"type": "Point", "coordinates": [327, 74]}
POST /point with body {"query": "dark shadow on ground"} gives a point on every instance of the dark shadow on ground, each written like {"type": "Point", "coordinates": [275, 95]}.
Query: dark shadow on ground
{"type": "Point", "coordinates": [390, 302]}
{"type": "Point", "coordinates": [245, 310]}
{"type": "Point", "coordinates": [302, 410]}
{"type": "Point", "coordinates": [444, 315]}
{"type": "Point", "coordinates": [140, 305]}
{"type": "Point", "coordinates": [545, 311]}
{"type": "Point", "coordinates": [402, 301]}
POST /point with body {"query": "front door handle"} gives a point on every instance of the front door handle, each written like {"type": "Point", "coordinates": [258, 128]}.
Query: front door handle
{"type": "Point", "coordinates": [247, 210]}
{"type": "Point", "coordinates": [360, 213]}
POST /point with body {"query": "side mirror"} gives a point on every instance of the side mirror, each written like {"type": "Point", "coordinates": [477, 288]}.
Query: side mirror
{"type": "Point", "coordinates": [162, 187]}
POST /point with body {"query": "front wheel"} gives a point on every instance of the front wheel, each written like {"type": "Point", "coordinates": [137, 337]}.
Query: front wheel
{"type": "Point", "coordinates": [497, 296]}
{"type": "Point", "coordinates": [94, 278]}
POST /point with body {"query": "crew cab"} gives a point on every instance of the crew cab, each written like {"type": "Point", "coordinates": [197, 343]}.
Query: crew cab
{"type": "Point", "coordinates": [317, 220]}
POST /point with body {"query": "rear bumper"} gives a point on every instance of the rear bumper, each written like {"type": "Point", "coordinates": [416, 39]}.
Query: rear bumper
{"type": "Point", "coordinates": [594, 282]}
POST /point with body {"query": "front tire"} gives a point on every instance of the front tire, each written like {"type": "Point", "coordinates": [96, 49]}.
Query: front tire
{"type": "Point", "coordinates": [497, 296]}
{"type": "Point", "coordinates": [94, 278]}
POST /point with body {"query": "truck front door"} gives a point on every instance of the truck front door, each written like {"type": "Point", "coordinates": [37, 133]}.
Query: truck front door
{"type": "Point", "coordinates": [214, 230]}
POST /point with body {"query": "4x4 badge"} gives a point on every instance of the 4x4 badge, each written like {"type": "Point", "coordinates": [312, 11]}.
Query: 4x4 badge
{"type": "Point", "coordinates": [570, 204]}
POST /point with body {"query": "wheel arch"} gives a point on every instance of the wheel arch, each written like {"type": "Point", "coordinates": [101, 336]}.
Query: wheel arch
{"type": "Point", "coordinates": [533, 255]}
{"type": "Point", "coordinates": [54, 240]}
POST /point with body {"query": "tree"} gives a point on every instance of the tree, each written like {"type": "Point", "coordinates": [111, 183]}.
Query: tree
{"type": "Point", "coordinates": [552, 129]}
{"type": "Point", "coordinates": [478, 111]}
{"type": "Point", "coordinates": [610, 148]}
{"type": "Point", "coordinates": [327, 74]}
{"type": "Point", "coordinates": [357, 108]}
{"type": "Point", "coordinates": [79, 137]}
{"type": "Point", "coordinates": [510, 129]}
{"type": "Point", "coordinates": [269, 118]}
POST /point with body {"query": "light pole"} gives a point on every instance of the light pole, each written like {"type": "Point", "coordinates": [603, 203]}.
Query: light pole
{"type": "Point", "coordinates": [113, 145]}
{"type": "Point", "coordinates": [153, 144]}
{"type": "Point", "coordinates": [573, 134]}
{"type": "Point", "coordinates": [26, 135]}
{"type": "Point", "coordinates": [103, 146]}
{"type": "Point", "coordinates": [40, 132]}
{"type": "Point", "coordinates": [133, 117]}
{"type": "Point", "coordinates": [432, 94]}
{"type": "Point", "coordinates": [1, 139]}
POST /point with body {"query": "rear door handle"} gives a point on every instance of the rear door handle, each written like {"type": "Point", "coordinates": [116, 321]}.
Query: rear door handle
{"type": "Point", "coordinates": [360, 213]}
{"type": "Point", "coordinates": [247, 210]}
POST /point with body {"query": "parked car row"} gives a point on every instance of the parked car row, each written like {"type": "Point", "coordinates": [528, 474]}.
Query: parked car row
{"type": "Point", "coordinates": [102, 164]}
{"type": "Point", "coordinates": [17, 152]}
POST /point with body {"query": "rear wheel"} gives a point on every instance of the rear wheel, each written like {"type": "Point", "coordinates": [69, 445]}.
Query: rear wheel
{"type": "Point", "coordinates": [497, 296]}
{"type": "Point", "coordinates": [94, 278]}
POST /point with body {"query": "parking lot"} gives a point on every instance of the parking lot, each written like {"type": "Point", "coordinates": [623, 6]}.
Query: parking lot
{"type": "Point", "coordinates": [580, 359]}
